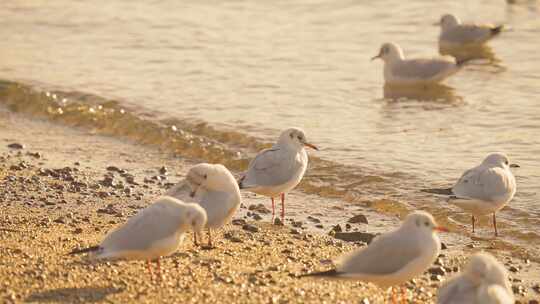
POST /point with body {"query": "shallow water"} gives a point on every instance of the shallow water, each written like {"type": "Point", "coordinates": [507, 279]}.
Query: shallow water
{"type": "Point", "coordinates": [255, 67]}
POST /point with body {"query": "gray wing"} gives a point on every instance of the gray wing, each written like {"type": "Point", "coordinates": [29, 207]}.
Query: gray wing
{"type": "Point", "coordinates": [457, 290]}
{"type": "Point", "coordinates": [469, 33]}
{"type": "Point", "coordinates": [494, 294]}
{"type": "Point", "coordinates": [423, 68]}
{"type": "Point", "coordinates": [269, 168]}
{"type": "Point", "coordinates": [151, 224]}
{"type": "Point", "coordinates": [385, 255]}
{"type": "Point", "coordinates": [483, 184]}
{"type": "Point", "coordinates": [182, 191]}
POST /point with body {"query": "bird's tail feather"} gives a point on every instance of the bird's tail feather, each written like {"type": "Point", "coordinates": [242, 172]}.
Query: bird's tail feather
{"type": "Point", "coordinates": [84, 250]}
{"type": "Point", "coordinates": [446, 191]}
{"type": "Point", "coordinates": [461, 62]}
{"type": "Point", "coordinates": [328, 273]}
{"type": "Point", "coordinates": [240, 182]}
{"type": "Point", "coordinates": [497, 30]}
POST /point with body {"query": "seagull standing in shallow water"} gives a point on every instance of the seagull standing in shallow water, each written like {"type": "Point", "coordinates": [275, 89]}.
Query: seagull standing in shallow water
{"type": "Point", "coordinates": [401, 71]}
{"type": "Point", "coordinates": [214, 188]}
{"type": "Point", "coordinates": [484, 189]}
{"type": "Point", "coordinates": [153, 232]}
{"type": "Point", "coordinates": [277, 170]}
{"type": "Point", "coordinates": [456, 34]}
{"type": "Point", "coordinates": [395, 257]}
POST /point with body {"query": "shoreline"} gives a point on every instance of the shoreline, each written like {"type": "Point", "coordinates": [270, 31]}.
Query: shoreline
{"type": "Point", "coordinates": [55, 205]}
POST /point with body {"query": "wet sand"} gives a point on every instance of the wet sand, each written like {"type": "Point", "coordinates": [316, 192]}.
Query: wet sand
{"type": "Point", "coordinates": [66, 188]}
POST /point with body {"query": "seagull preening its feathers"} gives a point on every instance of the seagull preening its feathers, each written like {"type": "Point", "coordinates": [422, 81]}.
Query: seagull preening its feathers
{"type": "Point", "coordinates": [214, 188]}
{"type": "Point", "coordinates": [277, 170]}
{"type": "Point", "coordinates": [483, 281]}
{"type": "Point", "coordinates": [484, 189]}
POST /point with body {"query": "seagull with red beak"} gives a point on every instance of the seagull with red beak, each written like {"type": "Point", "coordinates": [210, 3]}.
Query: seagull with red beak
{"type": "Point", "coordinates": [277, 170]}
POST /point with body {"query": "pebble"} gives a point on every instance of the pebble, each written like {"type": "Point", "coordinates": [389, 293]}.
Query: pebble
{"type": "Point", "coordinates": [259, 208]}
{"type": "Point", "coordinates": [34, 155]}
{"type": "Point", "coordinates": [437, 270]}
{"type": "Point", "coordinates": [313, 219]}
{"type": "Point", "coordinates": [337, 228]}
{"type": "Point", "coordinates": [365, 237]}
{"type": "Point", "coordinates": [278, 222]}
{"type": "Point", "coordinates": [359, 218]}
{"type": "Point", "coordinates": [233, 237]}
{"type": "Point", "coordinates": [163, 170]}
{"type": "Point", "coordinates": [16, 146]}
{"type": "Point", "coordinates": [513, 269]}
{"type": "Point", "coordinates": [238, 222]}
{"type": "Point", "coordinates": [250, 228]}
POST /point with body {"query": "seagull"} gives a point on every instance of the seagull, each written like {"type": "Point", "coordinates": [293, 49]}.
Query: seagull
{"type": "Point", "coordinates": [401, 71]}
{"type": "Point", "coordinates": [277, 170]}
{"type": "Point", "coordinates": [214, 188]}
{"type": "Point", "coordinates": [456, 34]}
{"type": "Point", "coordinates": [153, 232]}
{"type": "Point", "coordinates": [395, 257]}
{"type": "Point", "coordinates": [484, 189]}
{"type": "Point", "coordinates": [483, 281]}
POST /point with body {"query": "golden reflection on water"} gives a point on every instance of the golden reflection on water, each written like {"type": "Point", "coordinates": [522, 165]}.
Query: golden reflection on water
{"type": "Point", "coordinates": [435, 92]}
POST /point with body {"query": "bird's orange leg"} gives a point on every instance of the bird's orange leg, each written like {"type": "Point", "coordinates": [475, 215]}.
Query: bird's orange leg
{"type": "Point", "coordinates": [210, 239]}
{"type": "Point", "coordinates": [283, 207]}
{"type": "Point", "coordinates": [273, 209]}
{"type": "Point", "coordinates": [495, 224]}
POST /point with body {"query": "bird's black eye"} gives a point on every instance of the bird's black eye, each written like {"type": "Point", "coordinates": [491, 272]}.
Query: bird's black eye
{"type": "Point", "coordinates": [299, 137]}
{"type": "Point", "coordinates": [506, 162]}
{"type": "Point", "coordinates": [291, 135]}
{"type": "Point", "coordinates": [426, 224]}
{"type": "Point", "coordinates": [205, 176]}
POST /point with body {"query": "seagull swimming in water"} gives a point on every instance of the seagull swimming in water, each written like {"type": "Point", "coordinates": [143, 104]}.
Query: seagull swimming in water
{"type": "Point", "coordinates": [399, 70]}
{"type": "Point", "coordinates": [454, 33]}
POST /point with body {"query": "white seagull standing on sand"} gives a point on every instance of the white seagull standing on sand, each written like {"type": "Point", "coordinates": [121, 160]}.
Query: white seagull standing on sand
{"type": "Point", "coordinates": [483, 281]}
{"type": "Point", "coordinates": [484, 189]}
{"type": "Point", "coordinates": [153, 232]}
{"type": "Point", "coordinates": [395, 257]}
{"type": "Point", "coordinates": [214, 188]}
{"type": "Point", "coordinates": [456, 34]}
{"type": "Point", "coordinates": [401, 71]}
{"type": "Point", "coordinates": [277, 170]}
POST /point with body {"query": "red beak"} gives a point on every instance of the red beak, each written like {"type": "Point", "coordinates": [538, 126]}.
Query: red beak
{"type": "Point", "coordinates": [311, 146]}
{"type": "Point", "coordinates": [441, 229]}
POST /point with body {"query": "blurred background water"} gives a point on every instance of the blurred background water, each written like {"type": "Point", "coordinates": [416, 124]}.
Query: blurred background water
{"type": "Point", "coordinates": [256, 67]}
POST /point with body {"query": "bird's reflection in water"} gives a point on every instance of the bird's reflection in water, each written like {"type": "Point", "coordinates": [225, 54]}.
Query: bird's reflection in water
{"type": "Point", "coordinates": [481, 54]}
{"type": "Point", "coordinates": [439, 93]}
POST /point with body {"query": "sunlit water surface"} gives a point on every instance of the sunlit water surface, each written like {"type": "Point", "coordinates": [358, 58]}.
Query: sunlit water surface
{"type": "Point", "coordinates": [257, 67]}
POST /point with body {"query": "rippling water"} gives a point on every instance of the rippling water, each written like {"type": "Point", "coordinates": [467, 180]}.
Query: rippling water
{"type": "Point", "coordinates": [247, 69]}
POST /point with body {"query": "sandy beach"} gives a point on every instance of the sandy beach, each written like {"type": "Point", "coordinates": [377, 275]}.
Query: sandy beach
{"type": "Point", "coordinates": [65, 188]}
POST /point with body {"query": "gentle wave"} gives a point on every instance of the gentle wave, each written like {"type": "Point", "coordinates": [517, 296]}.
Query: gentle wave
{"type": "Point", "coordinates": [386, 192]}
